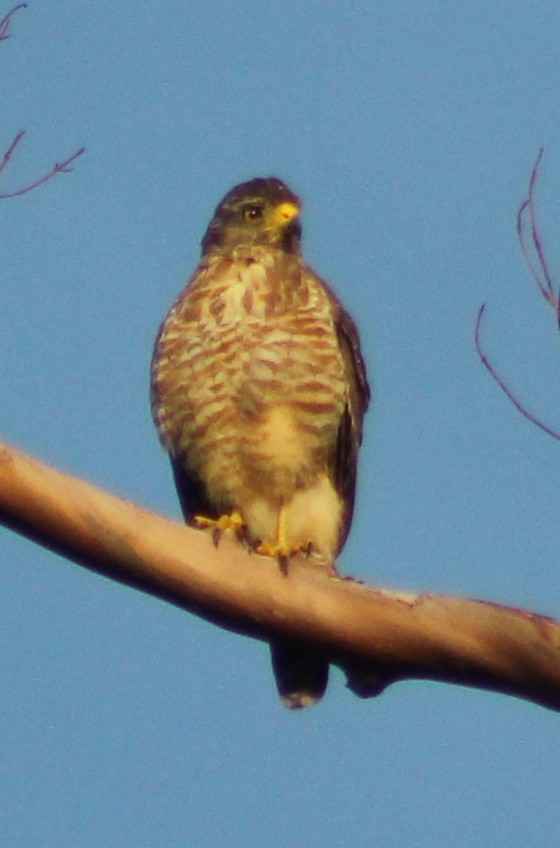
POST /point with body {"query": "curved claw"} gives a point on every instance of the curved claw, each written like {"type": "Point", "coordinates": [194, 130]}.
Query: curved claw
{"type": "Point", "coordinates": [283, 552]}
{"type": "Point", "coordinates": [234, 522]}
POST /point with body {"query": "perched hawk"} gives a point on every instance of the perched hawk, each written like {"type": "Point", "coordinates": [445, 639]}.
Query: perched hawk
{"type": "Point", "coordinates": [258, 393]}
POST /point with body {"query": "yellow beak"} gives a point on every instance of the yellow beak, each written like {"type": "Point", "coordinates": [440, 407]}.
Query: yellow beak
{"type": "Point", "coordinates": [283, 214]}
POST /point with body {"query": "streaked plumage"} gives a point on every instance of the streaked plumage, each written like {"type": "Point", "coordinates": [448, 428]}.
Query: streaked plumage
{"type": "Point", "coordinates": [258, 393]}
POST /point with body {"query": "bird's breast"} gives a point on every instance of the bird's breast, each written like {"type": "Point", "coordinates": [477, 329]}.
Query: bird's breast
{"type": "Point", "coordinates": [248, 378]}
{"type": "Point", "coordinates": [243, 295]}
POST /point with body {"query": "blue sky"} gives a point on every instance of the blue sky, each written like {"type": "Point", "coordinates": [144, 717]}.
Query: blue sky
{"type": "Point", "coordinates": [409, 129]}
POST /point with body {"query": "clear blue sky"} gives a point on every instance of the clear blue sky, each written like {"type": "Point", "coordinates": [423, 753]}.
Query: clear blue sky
{"type": "Point", "coordinates": [409, 129]}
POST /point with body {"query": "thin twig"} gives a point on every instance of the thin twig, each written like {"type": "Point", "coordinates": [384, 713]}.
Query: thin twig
{"type": "Point", "coordinates": [541, 275]}
{"type": "Point", "coordinates": [526, 226]}
{"type": "Point", "coordinates": [8, 154]}
{"type": "Point", "coordinates": [495, 376]}
{"type": "Point", "coordinates": [5, 22]}
{"type": "Point", "coordinates": [58, 168]}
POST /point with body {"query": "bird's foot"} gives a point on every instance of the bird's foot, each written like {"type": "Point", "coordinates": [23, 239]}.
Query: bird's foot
{"type": "Point", "coordinates": [233, 521]}
{"type": "Point", "coordinates": [283, 552]}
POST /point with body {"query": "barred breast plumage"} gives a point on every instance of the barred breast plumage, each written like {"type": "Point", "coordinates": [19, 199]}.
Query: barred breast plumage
{"type": "Point", "coordinates": [250, 390]}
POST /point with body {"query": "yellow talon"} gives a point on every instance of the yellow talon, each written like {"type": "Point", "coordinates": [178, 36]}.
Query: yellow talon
{"type": "Point", "coordinates": [281, 549]}
{"type": "Point", "coordinates": [234, 522]}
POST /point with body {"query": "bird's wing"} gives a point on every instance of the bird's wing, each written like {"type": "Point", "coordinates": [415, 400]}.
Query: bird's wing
{"type": "Point", "coordinates": [345, 456]}
{"type": "Point", "coordinates": [192, 492]}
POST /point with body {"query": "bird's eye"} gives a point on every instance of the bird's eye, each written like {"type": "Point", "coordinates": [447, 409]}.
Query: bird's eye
{"type": "Point", "coordinates": [252, 213]}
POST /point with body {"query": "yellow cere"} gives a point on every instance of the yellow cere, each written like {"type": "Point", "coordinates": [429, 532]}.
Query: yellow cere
{"type": "Point", "coordinates": [284, 213]}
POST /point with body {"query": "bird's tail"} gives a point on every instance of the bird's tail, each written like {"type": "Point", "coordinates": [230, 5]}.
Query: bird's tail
{"type": "Point", "coordinates": [301, 673]}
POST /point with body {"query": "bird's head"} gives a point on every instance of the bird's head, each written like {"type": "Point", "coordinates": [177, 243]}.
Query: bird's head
{"type": "Point", "coordinates": [262, 211]}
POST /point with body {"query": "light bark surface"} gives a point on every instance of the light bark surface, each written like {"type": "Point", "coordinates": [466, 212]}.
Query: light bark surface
{"type": "Point", "coordinates": [377, 636]}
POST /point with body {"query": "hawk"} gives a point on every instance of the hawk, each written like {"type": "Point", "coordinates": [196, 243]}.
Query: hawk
{"type": "Point", "coordinates": [259, 390]}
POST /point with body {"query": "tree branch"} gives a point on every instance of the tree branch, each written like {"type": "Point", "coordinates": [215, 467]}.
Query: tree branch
{"type": "Point", "coordinates": [527, 221]}
{"type": "Point", "coordinates": [58, 167]}
{"type": "Point", "coordinates": [376, 636]}
{"type": "Point", "coordinates": [5, 22]}
{"type": "Point", "coordinates": [531, 246]}
{"type": "Point", "coordinates": [502, 384]}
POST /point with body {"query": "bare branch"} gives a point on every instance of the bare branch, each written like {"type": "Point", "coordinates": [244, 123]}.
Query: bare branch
{"type": "Point", "coordinates": [5, 22]}
{"type": "Point", "coordinates": [8, 154]}
{"type": "Point", "coordinates": [58, 168]}
{"type": "Point", "coordinates": [376, 636]}
{"type": "Point", "coordinates": [526, 218]}
{"type": "Point", "coordinates": [509, 394]}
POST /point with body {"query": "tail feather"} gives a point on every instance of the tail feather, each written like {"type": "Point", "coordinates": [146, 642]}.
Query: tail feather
{"type": "Point", "coordinates": [301, 674]}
